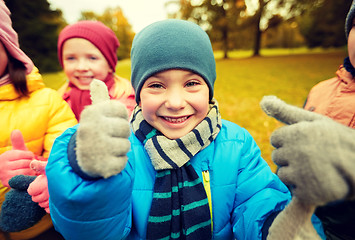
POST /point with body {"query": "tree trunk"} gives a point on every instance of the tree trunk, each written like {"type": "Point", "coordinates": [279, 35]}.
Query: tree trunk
{"type": "Point", "coordinates": [258, 31]}
{"type": "Point", "coordinates": [257, 41]}
{"type": "Point", "coordinates": [225, 42]}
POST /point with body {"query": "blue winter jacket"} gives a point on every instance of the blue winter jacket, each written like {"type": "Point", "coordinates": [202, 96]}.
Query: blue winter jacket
{"type": "Point", "coordinates": [244, 190]}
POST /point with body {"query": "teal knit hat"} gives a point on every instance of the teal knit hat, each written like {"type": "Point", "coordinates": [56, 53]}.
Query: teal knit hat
{"type": "Point", "coordinates": [171, 44]}
{"type": "Point", "coordinates": [349, 19]}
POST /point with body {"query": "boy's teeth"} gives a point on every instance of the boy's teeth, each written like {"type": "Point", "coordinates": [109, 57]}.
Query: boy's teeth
{"type": "Point", "coordinates": [175, 120]}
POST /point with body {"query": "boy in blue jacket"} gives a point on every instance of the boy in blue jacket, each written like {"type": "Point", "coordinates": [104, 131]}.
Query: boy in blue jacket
{"type": "Point", "coordinates": [176, 170]}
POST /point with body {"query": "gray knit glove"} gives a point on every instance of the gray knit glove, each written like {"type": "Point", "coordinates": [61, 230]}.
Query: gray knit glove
{"type": "Point", "coordinates": [102, 136]}
{"type": "Point", "coordinates": [315, 155]}
{"type": "Point", "coordinates": [294, 223]}
{"type": "Point", "coordinates": [316, 158]}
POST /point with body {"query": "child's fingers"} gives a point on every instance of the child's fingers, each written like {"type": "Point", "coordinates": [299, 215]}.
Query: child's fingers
{"type": "Point", "coordinates": [286, 113]}
{"type": "Point", "coordinates": [38, 166]}
{"type": "Point", "coordinates": [17, 141]}
{"type": "Point", "coordinates": [98, 91]}
{"type": "Point", "coordinates": [20, 164]}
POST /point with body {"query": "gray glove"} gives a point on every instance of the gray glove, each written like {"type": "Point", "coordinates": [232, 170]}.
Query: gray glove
{"type": "Point", "coordinates": [102, 136]}
{"type": "Point", "coordinates": [294, 223]}
{"type": "Point", "coordinates": [315, 155]}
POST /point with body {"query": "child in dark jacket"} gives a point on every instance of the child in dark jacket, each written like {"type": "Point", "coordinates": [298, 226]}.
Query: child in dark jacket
{"type": "Point", "coordinates": [176, 170]}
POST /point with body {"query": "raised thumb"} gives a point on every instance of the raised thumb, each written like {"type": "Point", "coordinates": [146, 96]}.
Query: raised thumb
{"type": "Point", "coordinates": [17, 141]}
{"type": "Point", "coordinates": [98, 91]}
{"type": "Point", "coordinates": [286, 113]}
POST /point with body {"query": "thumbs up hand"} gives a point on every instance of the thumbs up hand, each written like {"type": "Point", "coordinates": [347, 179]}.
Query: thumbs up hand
{"type": "Point", "coordinates": [17, 160]}
{"type": "Point", "coordinates": [315, 155]}
{"type": "Point", "coordinates": [316, 159]}
{"type": "Point", "coordinates": [102, 136]}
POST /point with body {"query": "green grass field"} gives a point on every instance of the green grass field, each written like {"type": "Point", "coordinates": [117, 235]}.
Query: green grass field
{"type": "Point", "coordinates": [242, 81]}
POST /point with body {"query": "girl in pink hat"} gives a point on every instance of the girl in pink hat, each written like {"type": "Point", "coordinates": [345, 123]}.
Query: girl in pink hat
{"type": "Point", "coordinates": [87, 50]}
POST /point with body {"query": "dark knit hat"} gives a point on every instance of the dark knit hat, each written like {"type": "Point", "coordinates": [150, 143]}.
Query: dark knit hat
{"type": "Point", "coordinates": [349, 19]}
{"type": "Point", "coordinates": [171, 44]}
{"type": "Point", "coordinates": [95, 32]}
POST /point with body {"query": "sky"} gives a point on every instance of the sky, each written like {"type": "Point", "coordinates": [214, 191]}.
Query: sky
{"type": "Point", "coordinates": [139, 13]}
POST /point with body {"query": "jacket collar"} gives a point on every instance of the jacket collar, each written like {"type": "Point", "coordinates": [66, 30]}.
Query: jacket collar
{"type": "Point", "coordinates": [346, 78]}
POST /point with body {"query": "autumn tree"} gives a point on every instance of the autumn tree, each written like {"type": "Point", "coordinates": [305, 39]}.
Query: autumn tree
{"type": "Point", "coordinates": [218, 17]}
{"type": "Point", "coordinates": [229, 21]}
{"type": "Point", "coordinates": [324, 24]}
{"type": "Point", "coordinates": [266, 10]}
{"type": "Point", "coordinates": [37, 27]}
{"type": "Point", "coordinates": [115, 19]}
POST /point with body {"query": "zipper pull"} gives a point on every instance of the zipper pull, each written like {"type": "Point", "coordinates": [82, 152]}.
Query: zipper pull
{"type": "Point", "coordinates": [206, 175]}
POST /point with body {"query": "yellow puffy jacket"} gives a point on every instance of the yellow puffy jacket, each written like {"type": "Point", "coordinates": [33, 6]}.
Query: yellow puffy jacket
{"type": "Point", "coordinates": [41, 117]}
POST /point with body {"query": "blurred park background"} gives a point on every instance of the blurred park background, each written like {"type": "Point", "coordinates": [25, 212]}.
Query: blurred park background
{"type": "Point", "coordinates": [262, 47]}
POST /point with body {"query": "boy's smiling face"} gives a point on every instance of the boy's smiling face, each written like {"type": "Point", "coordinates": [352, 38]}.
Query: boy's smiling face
{"type": "Point", "coordinates": [174, 102]}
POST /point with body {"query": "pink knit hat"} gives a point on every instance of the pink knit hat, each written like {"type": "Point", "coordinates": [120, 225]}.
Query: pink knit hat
{"type": "Point", "coordinates": [9, 38]}
{"type": "Point", "coordinates": [95, 32]}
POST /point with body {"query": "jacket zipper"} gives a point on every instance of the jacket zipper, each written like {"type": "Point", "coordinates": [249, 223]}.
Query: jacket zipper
{"type": "Point", "coordinates": [207, 185]}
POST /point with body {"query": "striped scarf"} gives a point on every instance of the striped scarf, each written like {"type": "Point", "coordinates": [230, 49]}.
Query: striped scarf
{"type": "Point", "coordinates": [180, 207]}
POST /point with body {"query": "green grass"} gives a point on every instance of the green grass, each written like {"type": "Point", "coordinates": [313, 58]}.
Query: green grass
{"type": "Point", "coordinates": [242, 81]}
{"type": "Point", "coordinates": [55, 80]}
{"type": "Point", "coordinates": [277, 52]}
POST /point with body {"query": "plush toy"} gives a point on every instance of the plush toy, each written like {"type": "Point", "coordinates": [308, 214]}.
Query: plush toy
{"type": "Point", "coordinates": [316, 159]}
{"type": "Point", "coordinates": [18, 211]}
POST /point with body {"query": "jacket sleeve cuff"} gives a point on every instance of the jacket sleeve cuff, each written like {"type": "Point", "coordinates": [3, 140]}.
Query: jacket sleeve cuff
{"type": "Point", "coordinates": [267, 224]}
{"type": "Point", "coordinates": [73, 160]}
